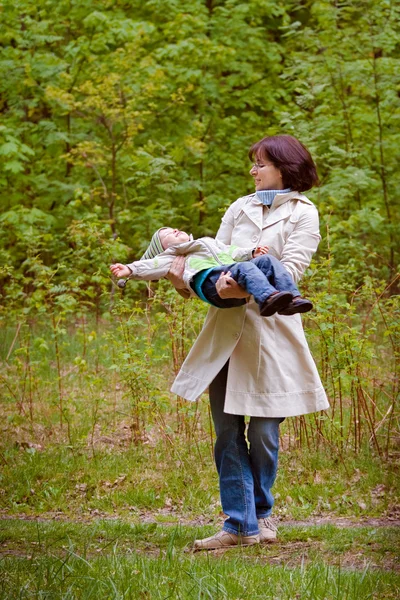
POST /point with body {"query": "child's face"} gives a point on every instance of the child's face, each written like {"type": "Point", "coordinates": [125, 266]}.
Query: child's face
{"type": "Point", "coordinates": [170, 237]}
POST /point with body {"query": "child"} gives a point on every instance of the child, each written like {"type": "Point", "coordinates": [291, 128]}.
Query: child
{"type": "Point", "coordinates": [261, 275]}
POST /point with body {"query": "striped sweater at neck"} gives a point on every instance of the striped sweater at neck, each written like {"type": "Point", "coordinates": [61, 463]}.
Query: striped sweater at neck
{"type": "Point", "coordinates": [267, 196]}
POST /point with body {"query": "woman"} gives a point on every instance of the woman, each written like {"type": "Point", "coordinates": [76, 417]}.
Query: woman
{"type": "Point", "coordinates": [253, 366]}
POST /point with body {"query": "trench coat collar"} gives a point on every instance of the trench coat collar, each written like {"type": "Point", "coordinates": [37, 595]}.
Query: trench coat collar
{"type": "Point", "coordinates": [279, 210]}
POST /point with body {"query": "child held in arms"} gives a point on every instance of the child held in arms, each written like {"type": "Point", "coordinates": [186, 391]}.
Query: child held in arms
{"type": "Point", "coordinates": [261, 275]}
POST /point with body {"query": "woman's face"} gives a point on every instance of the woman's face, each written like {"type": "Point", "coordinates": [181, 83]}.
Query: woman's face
{"type": "Point", "coordinates": [170, 237]}
{"type": "Point", "coordinates": [266, 175]}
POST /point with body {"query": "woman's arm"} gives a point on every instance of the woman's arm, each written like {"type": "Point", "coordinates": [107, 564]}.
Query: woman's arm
{"type": "Point", "coordinates": [175, 276]}
{"type": "Point", "coordinates": [224, 233]}
{"type": "Point", "coordinates": [301, 243]}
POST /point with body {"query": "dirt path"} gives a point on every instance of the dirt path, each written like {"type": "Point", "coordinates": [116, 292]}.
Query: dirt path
{"type": "Point", "coordinates": [154, 518]}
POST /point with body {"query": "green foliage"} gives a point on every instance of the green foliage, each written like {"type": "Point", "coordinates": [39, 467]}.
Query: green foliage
{"type": "Point", "coordinates": [120, 118]}
{"type": "Point", "coordinates": [345, 87]}
{"type": "Point", "coordinates": [135, 115]}
{"type": "Point", "coordinates": [64, 359]}
{"type": "Point", "coordinates": [354, 336]}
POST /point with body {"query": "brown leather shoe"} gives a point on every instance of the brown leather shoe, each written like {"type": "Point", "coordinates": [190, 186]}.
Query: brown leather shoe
{"type": "Point", "coordinates": [274, 303]}
{"type": "Point", "coordinates": [224, 539]}
{"type": "Point", "coordinates": [297, 305]}
{"type": "Point", "coordinates": [268, 531]}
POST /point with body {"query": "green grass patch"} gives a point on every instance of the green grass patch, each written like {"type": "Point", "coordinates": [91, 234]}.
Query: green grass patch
{"type": "Point", "coordinates": [179, 481]}
{"type": "Point", "coordinates": [115, 559]}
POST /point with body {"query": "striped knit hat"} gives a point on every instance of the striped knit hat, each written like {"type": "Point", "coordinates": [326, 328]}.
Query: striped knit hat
{"type": "Point", "coordinates": [155, 246]}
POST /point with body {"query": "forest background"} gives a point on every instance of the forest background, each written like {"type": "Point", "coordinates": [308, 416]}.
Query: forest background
{"type": "Point", "coordinates": [118, 117]}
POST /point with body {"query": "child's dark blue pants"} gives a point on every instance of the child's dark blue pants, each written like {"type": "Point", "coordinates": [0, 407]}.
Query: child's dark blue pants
{"type": "Point", "coordinates": [261, 277]}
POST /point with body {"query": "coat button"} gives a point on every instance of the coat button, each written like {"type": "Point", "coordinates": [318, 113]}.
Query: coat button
{"type": "Point", "coordinates": [254, 238]}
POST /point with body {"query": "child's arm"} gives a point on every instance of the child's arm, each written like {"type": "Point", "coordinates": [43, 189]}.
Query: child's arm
{"type": "Point", "coordinates": [119, 270]}
{"type": "Point", "coordinates": [231, 253]}
{"type": "Point", "coordinates": [243, 254]}
{"type": "Point", "coordinates": [260, 251]}
{"type": "Point", "coordinates": [151, 269]}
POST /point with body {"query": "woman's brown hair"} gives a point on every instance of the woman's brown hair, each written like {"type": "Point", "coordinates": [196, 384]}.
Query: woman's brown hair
{"type": "Point", "coordinates": [289, 156]}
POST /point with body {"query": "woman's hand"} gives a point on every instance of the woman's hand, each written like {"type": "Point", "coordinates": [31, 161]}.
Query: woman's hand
{"type": "Point", "coordinates": [119, 270]}
{"type": "Point", "coordinates": [227, 287]}
{"type": "Point", "coordinates": [175, 276]}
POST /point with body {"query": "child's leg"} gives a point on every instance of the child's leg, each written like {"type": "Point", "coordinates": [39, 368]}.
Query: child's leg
{"type": "Point", "coordinates": [209, 290]}
{"type": "Point", "coordinates": [253, 280]}
{"type": "Point", "coordinates": [276, 273]}
{"type": "Point", "coordinates": [280, 278]}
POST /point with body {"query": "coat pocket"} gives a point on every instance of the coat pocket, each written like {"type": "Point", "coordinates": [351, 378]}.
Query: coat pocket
{"type": "Point", "coordinates": [239, 217]}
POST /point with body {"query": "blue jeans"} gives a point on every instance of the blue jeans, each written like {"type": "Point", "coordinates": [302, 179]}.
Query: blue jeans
{"type": "Point", "coordinates": [246, 472]}
{"type": "Point", "coordinates": [261, 277]}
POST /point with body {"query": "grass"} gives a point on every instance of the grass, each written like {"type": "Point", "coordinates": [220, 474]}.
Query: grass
{"type": "Point", "coordinates": [114, 559]}
{"type": "Point", "coordinates": [120, 522]}
{"type": "Point", "coordinates": [168, 482]}
{"type": "Point", "coordinates": [108, 504]}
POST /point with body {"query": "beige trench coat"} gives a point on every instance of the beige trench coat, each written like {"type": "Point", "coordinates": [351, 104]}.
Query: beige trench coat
{"type": "Point", "coordinates": [271, 370]}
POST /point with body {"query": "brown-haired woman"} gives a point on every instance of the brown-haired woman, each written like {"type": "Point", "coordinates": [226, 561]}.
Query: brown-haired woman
{"type": "Point", "coordinates": [257, 367]}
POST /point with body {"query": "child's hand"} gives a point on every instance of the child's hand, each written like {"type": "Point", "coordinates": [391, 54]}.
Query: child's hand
{"type": "Point", "coordinates": [119, 270]}
{"type": "Point", "coordinates": [260, 251]}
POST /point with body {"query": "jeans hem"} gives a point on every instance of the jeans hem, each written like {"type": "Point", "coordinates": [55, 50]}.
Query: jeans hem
{"type": "Point", "coordinates": [265, 516]}
{"type": "Point", "coordinates": [242, 533]}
